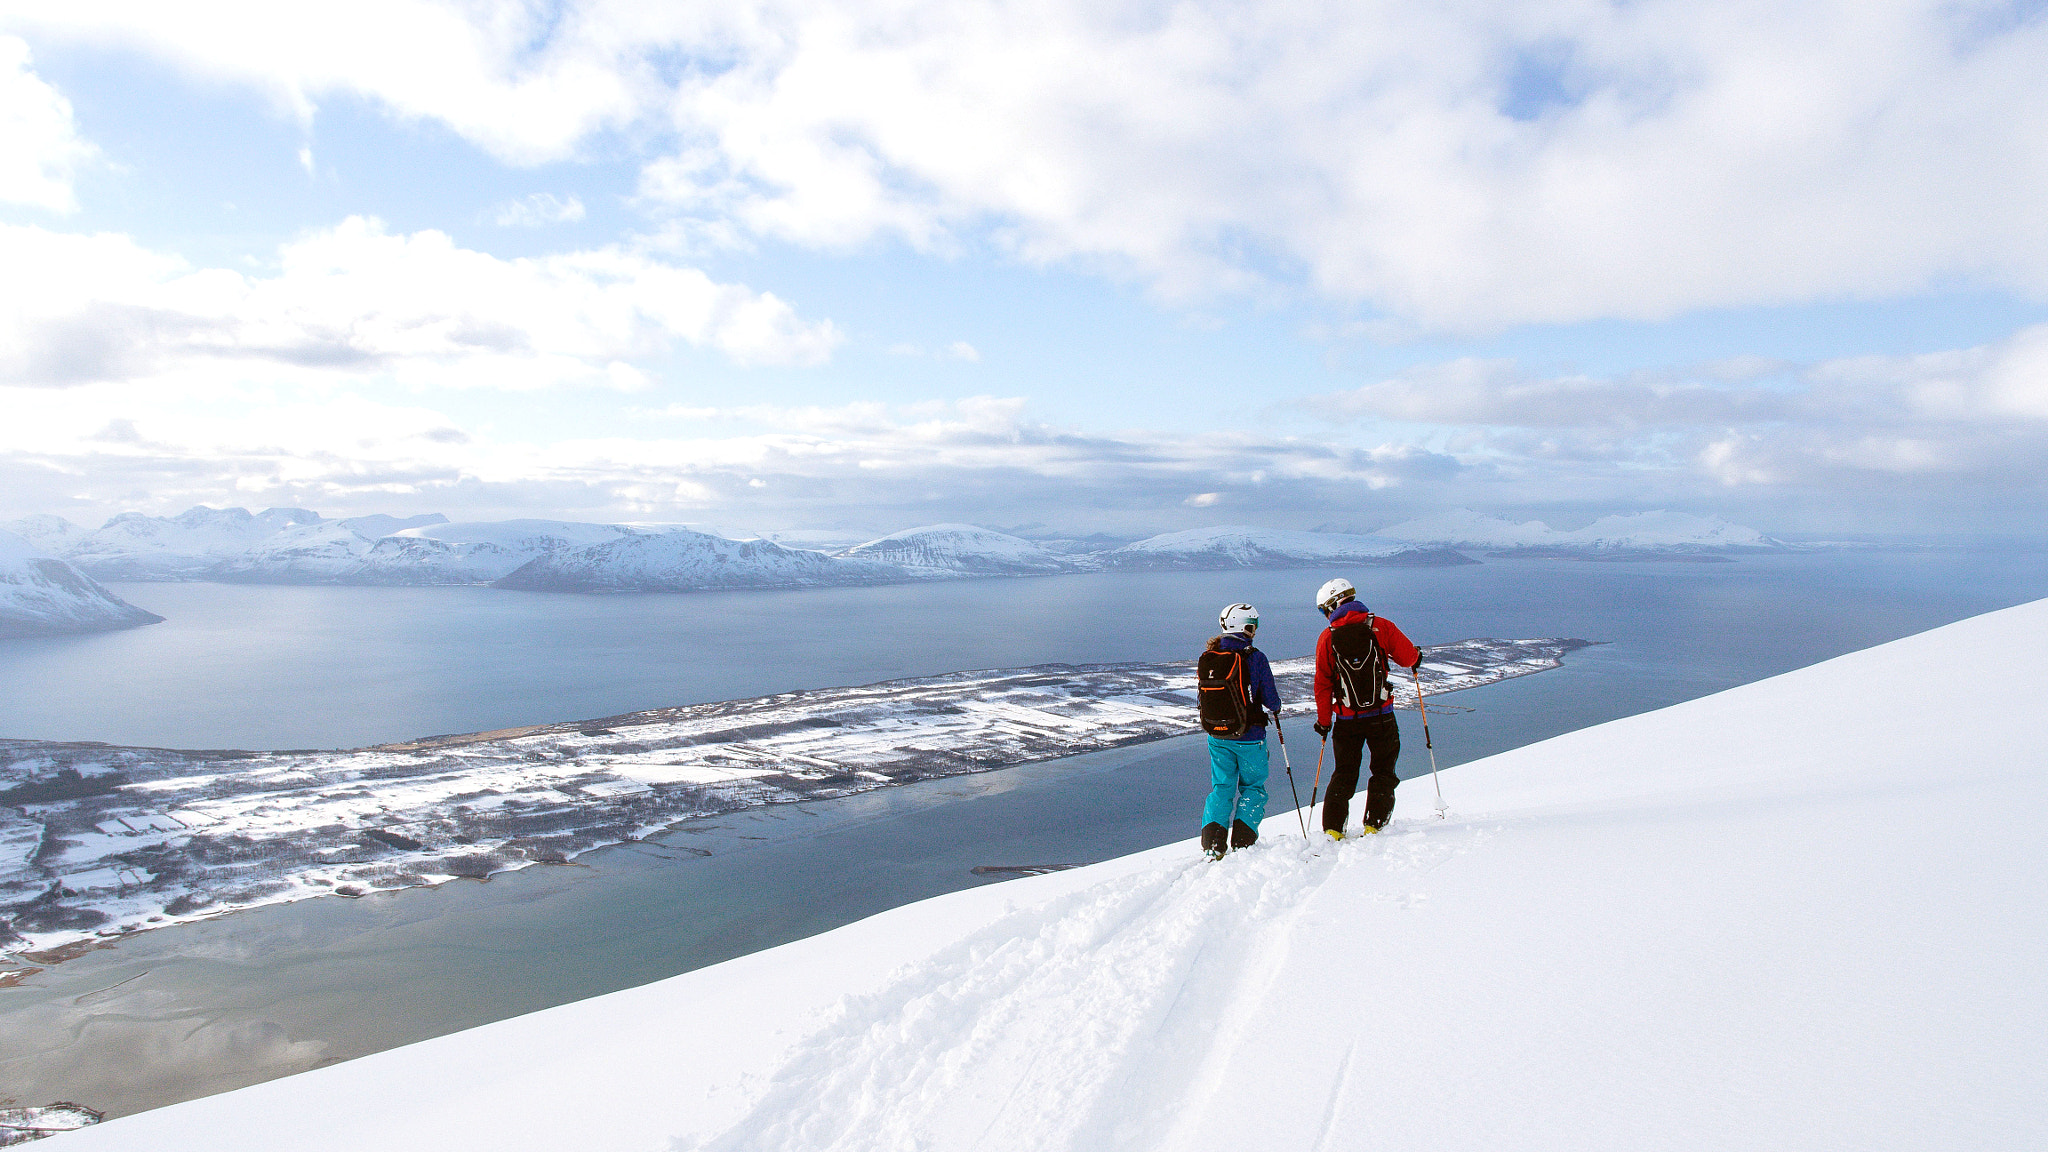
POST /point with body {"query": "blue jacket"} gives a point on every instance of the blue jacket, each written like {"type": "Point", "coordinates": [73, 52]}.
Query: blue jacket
{"type": "Point", "coordinates": [1260, 671]}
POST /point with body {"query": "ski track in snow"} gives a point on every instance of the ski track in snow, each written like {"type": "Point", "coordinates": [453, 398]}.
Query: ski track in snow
{"type": "Point", "coordinates": [1050, 1028]}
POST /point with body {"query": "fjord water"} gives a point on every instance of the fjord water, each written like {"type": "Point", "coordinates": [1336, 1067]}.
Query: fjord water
{"type": "Point", "coordinates": [241, 666]}
{"type": "Point", "coordinates": [185, 1011]}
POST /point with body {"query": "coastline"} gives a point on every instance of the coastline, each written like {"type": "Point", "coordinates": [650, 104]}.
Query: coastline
{"type": "Point", "coordinates": [111, 841]}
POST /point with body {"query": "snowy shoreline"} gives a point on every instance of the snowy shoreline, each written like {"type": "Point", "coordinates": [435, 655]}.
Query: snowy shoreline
{"type": "Point", "coordinates": [97, 841]}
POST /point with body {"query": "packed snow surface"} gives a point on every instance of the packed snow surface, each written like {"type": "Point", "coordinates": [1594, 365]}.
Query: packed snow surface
{"type": "Point", "coordinates": [1635, 532]}
{"type": "Point", "coordinates": [112, 840]}
{"type": "Point", "coordinates": [1240, 546]}
{"type": "Point", "coordinates": [1793, 915]}
{"type": "Point", "coordinates": [41, 595]}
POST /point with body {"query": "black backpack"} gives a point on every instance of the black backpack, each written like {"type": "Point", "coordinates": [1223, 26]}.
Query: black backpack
{"type": "Point", "coordinates": [1361, 667]}
{"type": "Point", "coordinates": [1223, 685]}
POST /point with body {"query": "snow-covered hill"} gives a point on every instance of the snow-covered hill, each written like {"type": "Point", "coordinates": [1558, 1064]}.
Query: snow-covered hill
{"type": "Point", "coordinates": [1661, 531]}
{"type": "Point", "coordinates": [962, 550]}
{"type": "Point", "coordinates": [1239, 546]}
{"type": "Point", "coordinates": [680, 560]}
{"type": "Point", "coordinates": [329, 552]}
{"type": "Point", "coordinates": [51, 535]}
{"type": "Point", "coordinates": [1755, 920]}
{"type": "Point", "coordinates": [133, 546]}
{"type": "Point", "coordinates": [42, 595]}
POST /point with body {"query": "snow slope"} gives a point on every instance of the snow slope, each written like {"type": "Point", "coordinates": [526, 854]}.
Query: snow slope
{"type": "Point", "coordinates": [41, 595]}
{"type": "Point", "coordinates": [1239, 546]}
{"type": "Point", "coordinates": [1638, 532]}
{"type": "Point", "coordinates": [1791, 915]}
{"type": "Point", "coordinates": [680, 560]}
{"type": "Point", "coordinates": [962, 550]}
{"type": "Point", "coordinates": [133, 546]}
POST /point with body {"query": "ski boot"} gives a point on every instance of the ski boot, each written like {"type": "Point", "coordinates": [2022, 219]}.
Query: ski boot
{"type": "Point", "coordinates": [1334, 833]}
{"type": "Point", "coordinates": [1243, 835]}
{"type": "Point", "coordinates": [1213, 841]}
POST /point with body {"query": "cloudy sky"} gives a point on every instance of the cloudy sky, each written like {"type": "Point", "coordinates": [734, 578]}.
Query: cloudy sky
{"type": "Point", "coordinates": [1119, 266]}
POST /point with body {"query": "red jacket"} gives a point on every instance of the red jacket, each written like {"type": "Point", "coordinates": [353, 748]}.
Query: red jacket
{"type": "Point", "coordinates": [1352, 614]}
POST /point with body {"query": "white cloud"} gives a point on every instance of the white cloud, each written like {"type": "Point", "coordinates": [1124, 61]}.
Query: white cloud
{"type": "Point", "coordinates": [40, 149]}
{"type": "Point", "coordinates": [957, 350]}
{"type": "Point", "coordinates": [109, 446]}
{"type": "Point", "coordinates": [1943, 442]}
{"type": "Point", "coordinates": [355, 299]}
{"type": "Point", "coordinates": [526, 80]}
{"type": "Point", "coordinates": [1458, 167]}
{"type": "Point", "coordinates": [537, 211]}
{"type": "Point", "coordinates": [1975, 415]}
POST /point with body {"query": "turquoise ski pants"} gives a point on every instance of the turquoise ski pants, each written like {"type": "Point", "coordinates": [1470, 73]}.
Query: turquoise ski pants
{"type": "Point", "coordinates": [1237, 768]}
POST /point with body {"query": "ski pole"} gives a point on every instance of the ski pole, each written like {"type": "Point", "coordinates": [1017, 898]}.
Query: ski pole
{"type": "Point", "coordinates": [1318, 785]}
{"type": "Point", "coordinates": [1441, 807]}
{"type": "Point", "coordinates": [1230, 829]}
{"type": "Point", "coordinates": [1298, 817]}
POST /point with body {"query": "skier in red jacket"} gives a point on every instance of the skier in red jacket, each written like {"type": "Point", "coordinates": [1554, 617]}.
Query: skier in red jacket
{"type": "Point", "coordinates": [1355, 702]}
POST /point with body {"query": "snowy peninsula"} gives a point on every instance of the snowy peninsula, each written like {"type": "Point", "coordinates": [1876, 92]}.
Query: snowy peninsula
{"type": "Point", "coordinates": [98, 840]}
{"type": "Point", "coordinates": [41, 595]}
{"type": "Point", "coordinates": [1775, 917]}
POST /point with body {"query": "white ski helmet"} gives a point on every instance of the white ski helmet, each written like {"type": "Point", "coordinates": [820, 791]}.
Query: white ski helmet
{"type": "Point", "coordinates": [1239, 618]}
{"type": "Point", "coordinates": [1332, 594]}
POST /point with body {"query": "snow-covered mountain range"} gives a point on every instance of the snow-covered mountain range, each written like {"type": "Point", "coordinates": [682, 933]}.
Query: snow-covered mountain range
{"type": "Point", "coordinates": [133, 546]}
{"type": "Point", "coordinates": [429, 550]}
{"type": "Point", "coordinates": [1639, 532]}
{"type": "Point", "coordinates": [1239, 546]}
{"type": "Point", "coordinates": [42, 595]}
{"type": "Point", "coordinates": [1752, 920]}
{"type": "Point", "coordinates": [295, 546]}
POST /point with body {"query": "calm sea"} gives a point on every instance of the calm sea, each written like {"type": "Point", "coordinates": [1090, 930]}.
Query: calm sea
{"type": "Point", "coordinates": [185, 1011]}
{"type": "Point", "coordinates": [283, 667]}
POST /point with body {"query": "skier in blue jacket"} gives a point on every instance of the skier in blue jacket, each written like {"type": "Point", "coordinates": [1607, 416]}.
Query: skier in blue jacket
{"type": "Point", "coordinates": [1238, 766]}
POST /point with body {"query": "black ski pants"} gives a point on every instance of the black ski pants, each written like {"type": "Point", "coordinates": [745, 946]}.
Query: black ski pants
{"type": "Point", "coordinates": [1350, 739]}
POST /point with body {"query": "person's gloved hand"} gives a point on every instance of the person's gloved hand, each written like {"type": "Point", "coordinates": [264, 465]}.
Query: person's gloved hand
{"type": "Point", "coordinates": [1322, 730]}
